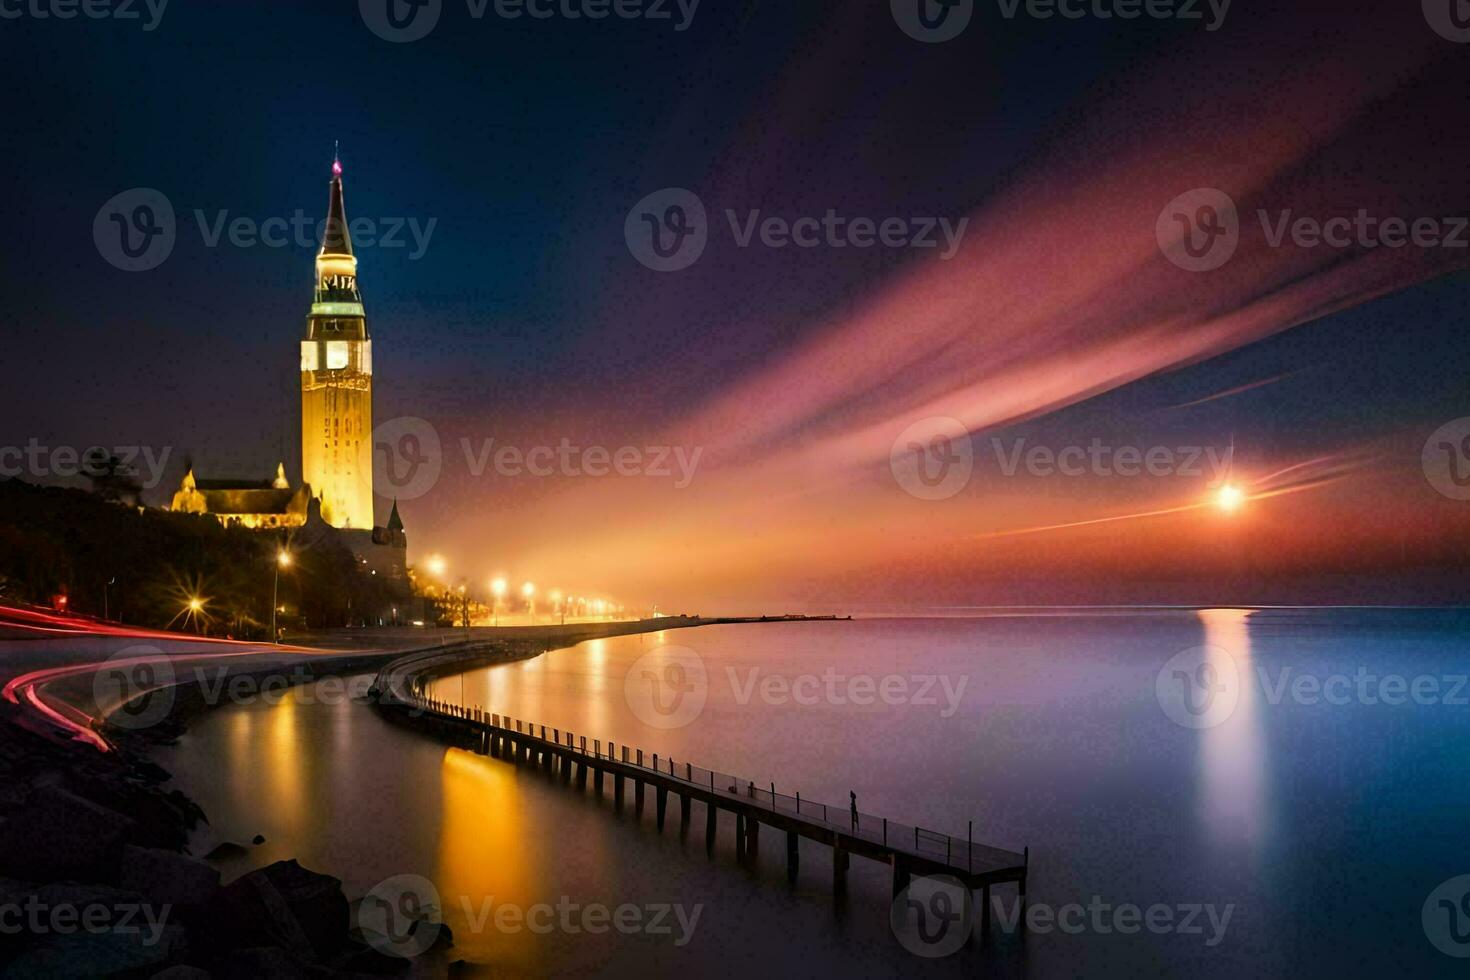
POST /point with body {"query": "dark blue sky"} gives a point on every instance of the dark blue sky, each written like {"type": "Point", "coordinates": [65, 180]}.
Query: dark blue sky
{"type": "Point", "coordinates": [526, 142]}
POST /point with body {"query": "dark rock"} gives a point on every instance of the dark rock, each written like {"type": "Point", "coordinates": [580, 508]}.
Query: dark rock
{"type": "Point", "coordinates": [283, 905]}
{"type": "Point", "coordinates": [168, 878]}
{"type": "Point", "coordinates": [225, 851]}
{"type": "Point", "coordinates": [59, 835]}
{"type": "Point", "coordinates": [98, 953]}
{"type": "Point", "coordinates": [366, 960]}
{"type": "Point", "coordinates": [263, 961]}
{"type": "Point", "coordinates": [181, 972]}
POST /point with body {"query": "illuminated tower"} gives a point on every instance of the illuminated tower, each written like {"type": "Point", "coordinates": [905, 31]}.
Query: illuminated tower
{"type": "Point", "coordinates": [337, 380]}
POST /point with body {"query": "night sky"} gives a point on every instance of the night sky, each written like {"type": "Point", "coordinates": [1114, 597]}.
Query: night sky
{"type": "Point", "coordinates": [526, 318]}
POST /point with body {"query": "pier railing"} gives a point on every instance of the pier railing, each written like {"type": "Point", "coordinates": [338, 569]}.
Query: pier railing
{"type": "Point", "coordinates": [959, 853]}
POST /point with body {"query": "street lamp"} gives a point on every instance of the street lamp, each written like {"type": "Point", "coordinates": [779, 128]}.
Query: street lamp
{"type": "Point", "coordinates": [497, 591]}
{"type": "Point", "coordinates": [529, 591]}
{"type": "Point", "coordinates": [283, 560]}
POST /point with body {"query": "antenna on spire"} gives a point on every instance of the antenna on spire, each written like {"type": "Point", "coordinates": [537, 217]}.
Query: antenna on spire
{"type": "Point", "coordinates": [336, 159]}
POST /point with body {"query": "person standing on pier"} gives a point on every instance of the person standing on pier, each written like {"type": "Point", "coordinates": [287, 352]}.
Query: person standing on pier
{"type": "Point", "coordinates": [853, 797]}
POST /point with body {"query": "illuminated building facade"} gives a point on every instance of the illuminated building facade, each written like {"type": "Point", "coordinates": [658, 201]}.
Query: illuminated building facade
{"type": "Point", "coordinates": [333, 505]}
{"type": "Point", "coordinates": [337, 380]}
{"type": "Point", "coordinates": [256, 504]}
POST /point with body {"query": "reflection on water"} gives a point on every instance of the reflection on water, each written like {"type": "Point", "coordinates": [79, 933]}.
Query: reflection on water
{"type": "Point", "coordinates": [1059, 743]}
{"type": "Point", "coordinates": [1233, 753]}
{"type": "Point", "coordinates": [484, 859]}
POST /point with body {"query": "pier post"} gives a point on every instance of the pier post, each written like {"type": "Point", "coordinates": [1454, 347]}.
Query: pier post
{"type": "Point", "coordinates": [684, 809]}
{"type": "Point", "coordinates": [900, 874]}
{"type": "Point", "coordinates": [739, 836]}
{"type": "Point", "coordinates": [793, 856]}
{"type": "Point", "coordinates": [597, 780]}
{"type": "Point", "coordinates": [661, 796]}
{"type": "Point", "coordinates": [752, 838]}
{"type": "Point", "coordinates": [638, 796]}
{"type": "Point", "coordinates": [618, 790]}
{"type": "Point", "coordinates": [1021, 889]}
{"type": "Point", "coordinates": [709, 826]}
{"type": "Point", "coordinates": [839, 867]}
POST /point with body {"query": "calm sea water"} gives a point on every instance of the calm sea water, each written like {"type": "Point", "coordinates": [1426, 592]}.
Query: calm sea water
{"type": "Point", "coordinates": [1313, 788]}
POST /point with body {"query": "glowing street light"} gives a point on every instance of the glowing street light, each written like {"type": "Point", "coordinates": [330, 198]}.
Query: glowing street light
{"type": "Point", "coordinates": [283, 560]}
{"type": "Point", "coordinates": [497, 592]}
{"type": "Point", "coordinates": [529, 591]}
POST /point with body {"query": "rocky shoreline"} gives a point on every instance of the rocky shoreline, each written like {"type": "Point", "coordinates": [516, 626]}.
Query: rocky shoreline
{"type": "Point", "coordinates": [95, 878]}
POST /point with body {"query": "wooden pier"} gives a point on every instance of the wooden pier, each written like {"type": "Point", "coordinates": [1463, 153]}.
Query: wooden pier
{"type": "Point", "coordinates": [906, 849]}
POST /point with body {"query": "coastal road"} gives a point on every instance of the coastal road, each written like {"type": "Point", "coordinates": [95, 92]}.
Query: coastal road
{"type": "Point", "coordinates": [62, 675]}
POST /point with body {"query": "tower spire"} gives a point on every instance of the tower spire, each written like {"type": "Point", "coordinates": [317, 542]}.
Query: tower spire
{"type": "Point", "coordinates": [335, 239]}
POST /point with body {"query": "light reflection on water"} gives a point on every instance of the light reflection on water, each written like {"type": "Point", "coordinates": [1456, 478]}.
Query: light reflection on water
{"type": "Point", "coordinates": [1233, 753]}
{"type": "Point", "coordinates": [1324, 825]}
